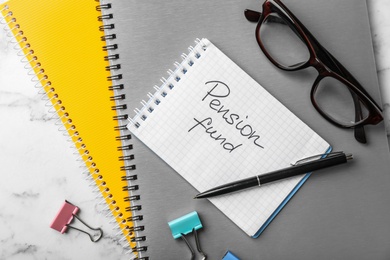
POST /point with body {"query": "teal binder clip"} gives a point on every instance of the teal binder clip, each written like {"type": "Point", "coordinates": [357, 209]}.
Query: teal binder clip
{"type": "Point", "coordinates": [230, 256]}
{"type": "Point", "coordinates": [183, 226]}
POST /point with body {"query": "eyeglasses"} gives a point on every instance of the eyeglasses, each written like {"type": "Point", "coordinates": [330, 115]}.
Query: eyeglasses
{"type": "Point", "coordinates": [336, 94]}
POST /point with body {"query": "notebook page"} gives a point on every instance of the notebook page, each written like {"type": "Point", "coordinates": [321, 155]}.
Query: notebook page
{"type": "Point", "coordinates": [218, 125]}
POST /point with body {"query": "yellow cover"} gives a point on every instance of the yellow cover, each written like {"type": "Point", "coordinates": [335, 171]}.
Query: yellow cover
{"type": "Point", "coordinates": [62, 42]}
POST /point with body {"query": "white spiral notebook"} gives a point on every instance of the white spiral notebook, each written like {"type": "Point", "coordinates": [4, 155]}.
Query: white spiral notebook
{"type": "Point", "coordinates": [213, 124]}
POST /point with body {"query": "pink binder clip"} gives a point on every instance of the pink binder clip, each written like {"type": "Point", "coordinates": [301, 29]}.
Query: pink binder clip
{"type": "Point", "coordinates": [64, 218]}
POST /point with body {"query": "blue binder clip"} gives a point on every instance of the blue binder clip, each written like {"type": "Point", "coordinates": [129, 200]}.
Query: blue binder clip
{"type": "Point", "coordinates": [230, 256]}
{"type": "Point", "coordinates": [187, 224]}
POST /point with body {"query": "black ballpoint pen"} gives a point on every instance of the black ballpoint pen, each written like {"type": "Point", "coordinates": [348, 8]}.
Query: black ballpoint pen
{"type": "Point", "coordinates": [306, 167]}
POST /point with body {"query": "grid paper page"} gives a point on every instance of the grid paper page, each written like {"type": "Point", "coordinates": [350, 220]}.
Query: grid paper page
{"type": "Point", "coordinates": [216, 125]}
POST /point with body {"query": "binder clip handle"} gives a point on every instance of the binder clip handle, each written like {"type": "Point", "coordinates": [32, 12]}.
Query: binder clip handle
{"type": "Point", "coordinates": [96, 236]}
{"type": "Point", "coordinates": [184, 225]}
{"type": "Point", "coordinates": [64, 217]}
{"type": "Point", "coordinates": [189, 246]}
{"type": "Point", "coordinates": [198, 245]}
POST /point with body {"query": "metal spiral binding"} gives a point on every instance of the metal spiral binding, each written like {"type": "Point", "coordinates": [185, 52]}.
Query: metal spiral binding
{"type": "Point", "coordinates": [63, 119]}
{"type": "Point", "coordinates": [142, 114]}
{"type": "Point", "coordinates": [174, 76]}
{"type": "Point", "coordinates": [122, 117]}
{"type": "Point", "coordinates": [117, 87]}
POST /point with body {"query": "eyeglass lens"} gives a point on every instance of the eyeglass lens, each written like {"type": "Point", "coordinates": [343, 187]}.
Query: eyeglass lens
{"type": "Point", "coordinates": [282, 43]}
{"type": "Point", "coordinates": [335, 99]}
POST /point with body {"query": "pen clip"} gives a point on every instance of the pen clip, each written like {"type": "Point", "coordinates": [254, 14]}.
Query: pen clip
{"type": "Point", "coordinates": [317, 157]}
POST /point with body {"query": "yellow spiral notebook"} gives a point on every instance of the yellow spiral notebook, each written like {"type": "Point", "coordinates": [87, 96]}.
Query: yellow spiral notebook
{"type": "Point", "coordinates": [63, 46]}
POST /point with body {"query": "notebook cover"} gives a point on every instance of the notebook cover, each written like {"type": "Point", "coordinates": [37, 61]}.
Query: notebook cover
{"type": "Point", "coordinates": [334, 216]}
{"type": "Point", "coordinates": [66, 41]}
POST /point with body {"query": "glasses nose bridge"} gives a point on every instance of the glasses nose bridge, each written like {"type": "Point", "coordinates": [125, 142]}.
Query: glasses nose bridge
{"type": "Point", "coordinates": [319, 65]}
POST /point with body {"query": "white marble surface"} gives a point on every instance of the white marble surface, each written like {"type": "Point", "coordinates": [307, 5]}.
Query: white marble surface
{"type": "Point", "coordinates": [38, 169]}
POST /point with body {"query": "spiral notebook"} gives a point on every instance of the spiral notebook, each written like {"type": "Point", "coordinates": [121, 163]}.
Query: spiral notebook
{"type": "Point", "coordinates": [151, 34]}
{"type": "Point", "coordinates": [62, 44]}
{"type": "Point", "coordinates": [213, 124]}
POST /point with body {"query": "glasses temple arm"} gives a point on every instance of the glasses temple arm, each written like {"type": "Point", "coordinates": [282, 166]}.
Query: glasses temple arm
{"type": "Point", "coordinates": [359, 132]}
{"type": "Point", "coordinates": [254, 17]}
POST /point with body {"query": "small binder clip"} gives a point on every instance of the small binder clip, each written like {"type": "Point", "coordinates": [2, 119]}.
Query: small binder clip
{"type": "Point", "coordinates": [64, 218]}
{"type": "Point", "coordinates": [185, 225]}
{"type": "Point", "coordinates": [230, 256]}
